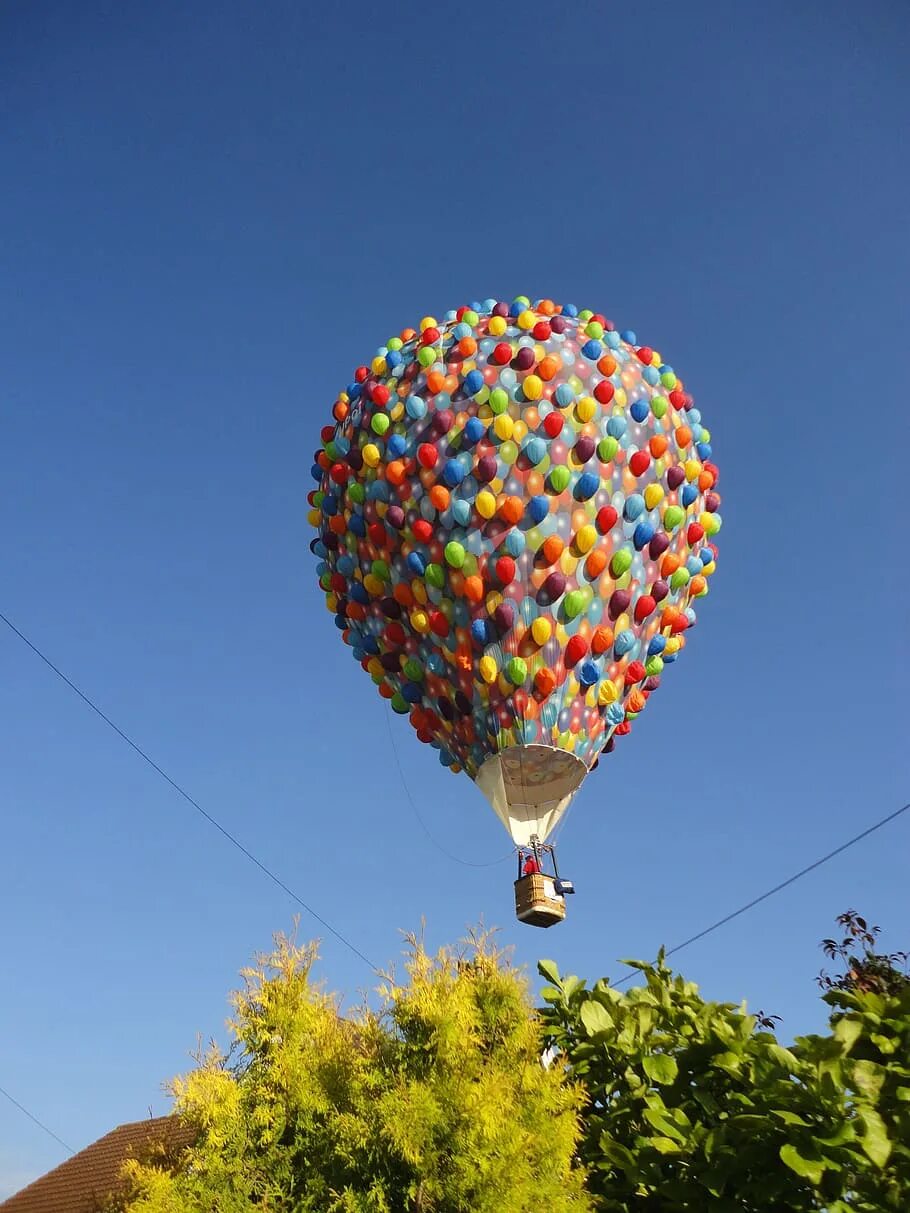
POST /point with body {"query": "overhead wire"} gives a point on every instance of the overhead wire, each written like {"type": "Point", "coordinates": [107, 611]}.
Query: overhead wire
{"type": "Point", "coordinates": [34, 1119]}
{"type": "Point", "coordinates": [721, 922]}
{"type": "Point", "coordinates": [213, 821]}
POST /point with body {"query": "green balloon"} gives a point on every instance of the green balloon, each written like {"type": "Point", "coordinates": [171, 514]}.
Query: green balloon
{"type": "Point", "coordinates": [427, 355]}
{"type": "Point", "coordinates": [470, 318]}
{"type": "Point", "coordinates": [379, 423]}
{"type": "Point", "coordinates": [607, 448]}
{"type": "Point", "coordinates": [654, 665]}
{"type": "Point", "coordinates": [394, 343]}
{"type": "Point", "coordinates": [621, 562]}
{"type": "Point", "coordinates": [659, 406]}
{"type": "Point", "coordinates": [400, 704]}
{"type": "Point", "coordinates": [414, 670]}
{"type": "Point", "coordinates": [559, 478]}
{"type": "Point", "coordinates": [673, 516]}
{"type": "Point", "coordinates": [574, 603]}
{"type": "Point", "coordinates": [435, 575]}
{"type": "Point", "coordinates": [380, 569]}
{"type": "Point", "coordinates": [499, 400]}
{"type": "Point", "coordinates": [679, 579]}
{"type": "Point", "coordinates": [356, 492]}
{"type": "Point", "coordinates": [454, 554]}
{"type": "Point", "coordinates": [517, 671]}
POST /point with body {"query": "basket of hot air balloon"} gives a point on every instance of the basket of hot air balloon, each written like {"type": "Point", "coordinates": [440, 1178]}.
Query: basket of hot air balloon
{"type": "Point", "coordinates": [516, 511]}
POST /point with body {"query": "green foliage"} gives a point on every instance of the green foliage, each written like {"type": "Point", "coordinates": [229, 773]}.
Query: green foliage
{"type": "Point", "coordinates": [690, 1105]}
{"type": "Point", "coordinates": [868, 1054]}
{"type": "Point", "coordinates": [439, 1102]}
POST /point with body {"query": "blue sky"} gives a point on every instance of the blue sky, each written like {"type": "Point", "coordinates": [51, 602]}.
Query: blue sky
{"type": "Point", "coordinates": [210, 214]}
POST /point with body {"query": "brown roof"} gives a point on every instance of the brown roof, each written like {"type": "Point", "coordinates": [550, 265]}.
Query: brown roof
{"type": "Point", "coordinates": [92, 1175]}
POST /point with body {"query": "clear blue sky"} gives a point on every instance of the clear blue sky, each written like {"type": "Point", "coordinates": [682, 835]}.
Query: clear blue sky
{"type": "Point", "coordinates": [209, 214]}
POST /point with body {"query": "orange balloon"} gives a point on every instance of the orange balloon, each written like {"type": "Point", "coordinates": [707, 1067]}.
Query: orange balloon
{"type": "Point", "coordinates": [669, 565]}
{"type": "Point", "coordinates": [547, 367]}
{"type": "Point", "coordinates": [473, 588]}
{"type": "Point", "coordinates": [607, 364]}
{"type": "Point", "coordinates": [657, 445]}
{"type": "Point", "coordinates": [511, 510]}
{"type": "Point", "coordinates": [396, 472]}
{"type": "Point", "coordinates": [467, 346]}
{"type": "Point", "coordinates": [545, 681]}
{"type": "Point", "coordinates": [551, 549]}
{"type": "Point", "coordinates": [683, 436]}
{"type": "Point", "coordinates": [402, 594]}
{"type": "Point", "coordinates": [595, 564]}
{"type": "Point", "coordinates": [439, 497]}
{"type": "Point", "coordinates": [601, 640]}
{"type": "Point", "coordinates": [340, 411]}
{"type": "Point", "coordinates": [535, 483]}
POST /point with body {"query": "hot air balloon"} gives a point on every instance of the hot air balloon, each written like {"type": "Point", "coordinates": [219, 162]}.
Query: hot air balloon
{"type": "Point", "coordinates": [516, 511]}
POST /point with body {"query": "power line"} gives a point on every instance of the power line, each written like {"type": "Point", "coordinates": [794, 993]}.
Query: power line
{"type": "Point", "coordinates": [232, 839]}
{"type": "Point", "coordinates": [34, 1119]}
{"type": "Point", "coordinates": [778, 887]}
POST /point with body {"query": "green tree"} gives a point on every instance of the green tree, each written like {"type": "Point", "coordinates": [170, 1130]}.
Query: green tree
{"type": "Point", "coordinates": [437, 1102]}
{"type": "Point", "coordinates": [692, 1105]}
{"type": "Point", "coordinates": [868, 1053]}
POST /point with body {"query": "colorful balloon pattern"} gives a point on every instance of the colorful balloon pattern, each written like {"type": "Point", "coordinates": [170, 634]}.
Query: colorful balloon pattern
{"type": "Point", "coordinates": [516, 510]}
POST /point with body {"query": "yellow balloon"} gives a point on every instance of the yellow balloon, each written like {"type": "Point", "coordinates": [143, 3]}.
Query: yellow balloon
{"type": "Point", "coordinates": [487, 668]}
{"type": "Point", "coordinates": [692, 469]}
{"type": "Point", "coordinates": [586, 409]}
{"type": "Point", "coordinates": [527, 320]}
{"type": "Point", "coordinates": [653, 496]}
{"type": "Point", "coordinates": [607, 694]}
{"type": "Point", "coordinates": [541, 630]}
{"type": "Point", "coordinates": [420, 621]}
{"type": "Point", "coordinates": [371, 455]}
{"type": "Point", "coordinates": [533, 387]}
{"type": "Point", "coordinates": [497, 326]}
{"type": "Point", "coordinates": [586, 538]}
{"type": "Point", "coordinates": [503, 426]}
{"type": "Point", "coordinates": [485, 503]}
{"type": "Point", "coordinates": [314, 517]}
{"type": "Point", "coordinates": [372, 584]}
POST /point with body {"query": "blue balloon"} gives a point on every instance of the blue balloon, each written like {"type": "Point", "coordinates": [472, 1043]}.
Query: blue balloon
{"type": "Point", "coordinates": [688, 495]}
{"type": "Point", "coordinates": [538, 508]}
{"type": "Point", "coordinates": [474, 430]}
{"type": "Point", "coordinates": [586, 486]}
{"type": "Point", "coordinates": [473, 382]}
{"type": "Point", "coordinates": [592, 349]}
{"type": "Point", "coordinates": [634, 507]}
{"type": "Point", "coordinates": [453, 473]}
{"type": "Point", "coordinates": [563, 395]}
{"type": "Point", "coordinates": [623, 643]}
{"type": "Point", "coordinates": [640, 410]}
{"type": "Point", "coordinates": [642, 535]}
{"type": "Point", "coordinates": [657, 645]}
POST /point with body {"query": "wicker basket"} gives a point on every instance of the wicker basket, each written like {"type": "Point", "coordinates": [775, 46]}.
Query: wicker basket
{"type": "Point", "coordinates": [537, 902]}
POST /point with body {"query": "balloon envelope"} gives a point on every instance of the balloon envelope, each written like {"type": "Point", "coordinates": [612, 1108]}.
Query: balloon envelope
{"type": "Point", "coordinates": [516, 509]}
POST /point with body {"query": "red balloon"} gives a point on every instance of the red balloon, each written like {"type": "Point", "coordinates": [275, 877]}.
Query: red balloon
{"type": "Point", "coordinates": [575, 650]}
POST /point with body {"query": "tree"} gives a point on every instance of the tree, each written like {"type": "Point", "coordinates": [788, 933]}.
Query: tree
{"type": "Point", "coordinates": [865, 970]}
{"type": "Point", "coordinates": [868, 1052]}
{"type": "Point", "coordinates": [437, 1102]}
{"type": "Point", "coordinates": [692, 1105]}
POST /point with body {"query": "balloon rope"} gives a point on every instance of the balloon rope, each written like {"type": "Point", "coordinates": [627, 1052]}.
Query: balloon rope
{"type": "Point", "coordinates": [466, 863]}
